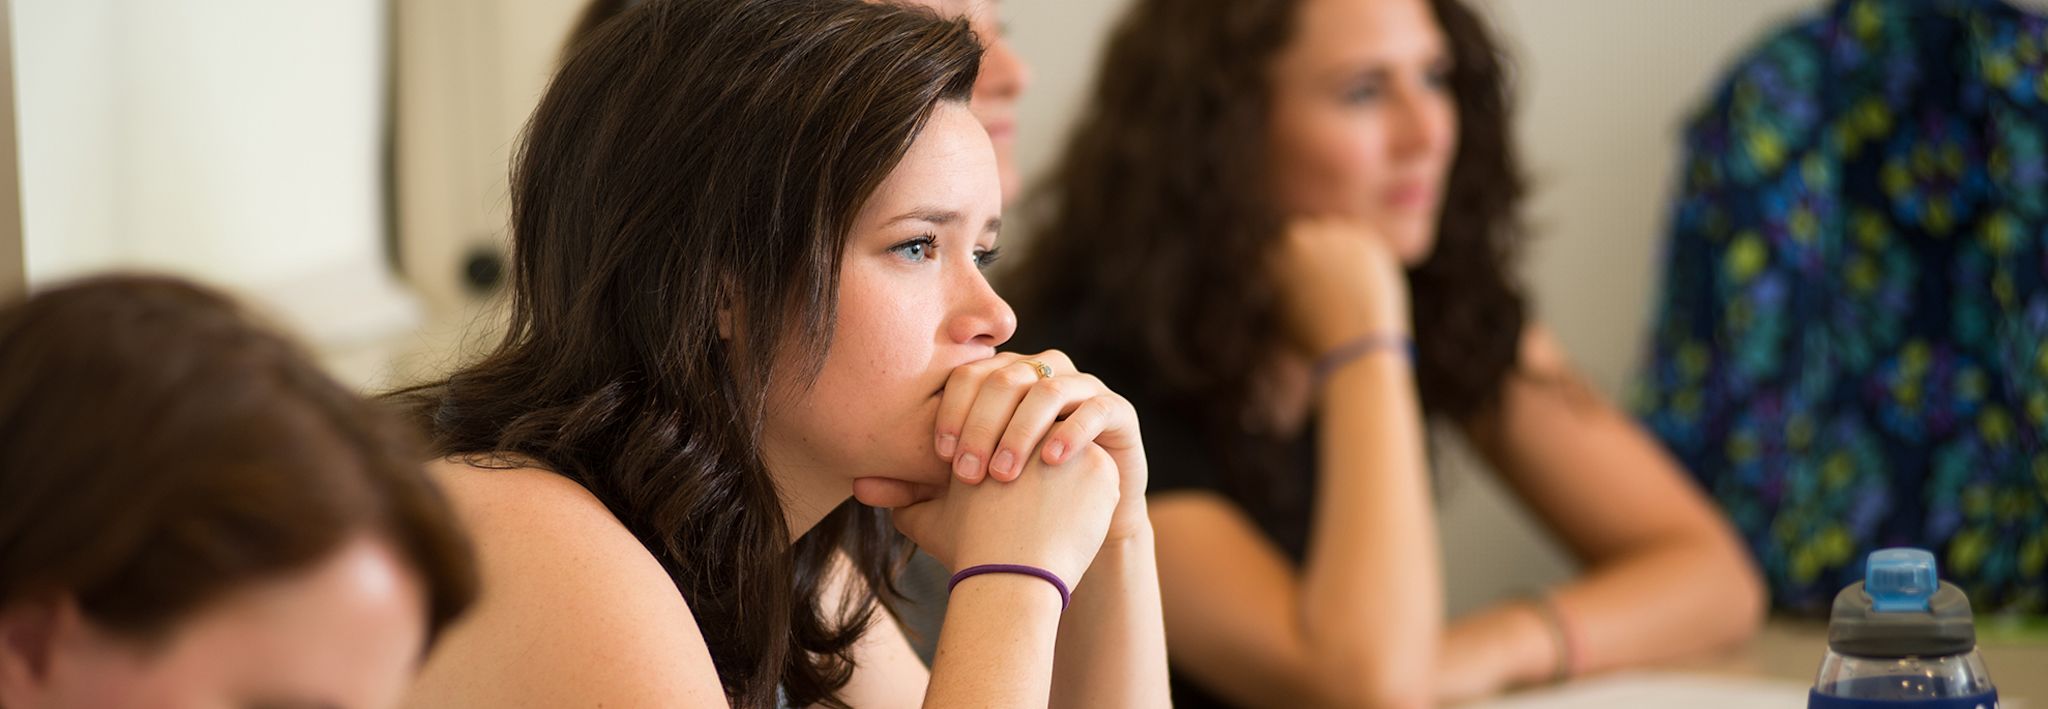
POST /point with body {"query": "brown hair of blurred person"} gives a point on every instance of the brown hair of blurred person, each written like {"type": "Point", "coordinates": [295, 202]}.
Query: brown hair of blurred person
{"type": "Point", "coordinates": [161, 455]}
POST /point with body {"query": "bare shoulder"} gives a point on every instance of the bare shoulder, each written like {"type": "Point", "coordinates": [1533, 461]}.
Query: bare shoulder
{"type": "Point", "coordinates": [574, 610]}
{"type": "Point", "coordinates": [521, 500]}
{"type": "Point", "coordinates": [534, 521]}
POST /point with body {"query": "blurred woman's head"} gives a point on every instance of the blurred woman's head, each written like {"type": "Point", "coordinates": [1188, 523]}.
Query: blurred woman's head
{"type": "Point", "coordinates": [747, 238]}
{"type": "Point", "coordinates": [1003, 78]}
{"type": "Point", "coordinates": [1362, 119]}
{"type": "Point", "coordinates": [1212, 124]}
{"type": "Point", "coordinates": [191, 514]}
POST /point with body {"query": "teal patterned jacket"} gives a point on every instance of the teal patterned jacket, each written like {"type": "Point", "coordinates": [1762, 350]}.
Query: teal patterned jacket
{"type": "Point", "coordinates": [1848, 349]}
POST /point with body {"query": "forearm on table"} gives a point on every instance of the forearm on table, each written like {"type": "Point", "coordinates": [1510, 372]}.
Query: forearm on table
{"type": "Point", "coordinates": [1112, 641]}
{"type": "Point", "coordinates": [1372, 587]}
{"type": "Point", "coordinates": [1666, 602]}
{"type": "Point", "coordinates": [996, 647]}
{"type": "Point", "coordinates": [1662, 604]}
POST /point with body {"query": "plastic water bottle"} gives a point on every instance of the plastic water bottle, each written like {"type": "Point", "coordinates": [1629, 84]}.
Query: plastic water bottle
{"type": "Point", "coordinates": [1902, 639]}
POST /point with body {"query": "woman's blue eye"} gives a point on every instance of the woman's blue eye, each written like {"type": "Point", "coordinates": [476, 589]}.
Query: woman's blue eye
{"type": "Point", "coordinates": [1362, 94]}
{"type": "Point", "coordinates": [915, 250]}
{"type": "Point", "coordinates": [987, 257]}
{"type": "Point", "coordinates": [1440, 79]}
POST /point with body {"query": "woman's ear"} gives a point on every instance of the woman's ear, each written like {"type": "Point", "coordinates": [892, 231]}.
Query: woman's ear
{"type": "Point", "coordinates": [29, 631]}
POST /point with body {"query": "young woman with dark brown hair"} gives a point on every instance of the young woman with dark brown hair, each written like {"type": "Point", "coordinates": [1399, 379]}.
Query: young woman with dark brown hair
{"type": "Point", "coordinates": [997, 86]}
{"type": "Point", "coordinates": [192, 515]}
{"type": "Point", "coordinates": [748, 240]}
{"type": "Point", "coordinates": [1285, 228]}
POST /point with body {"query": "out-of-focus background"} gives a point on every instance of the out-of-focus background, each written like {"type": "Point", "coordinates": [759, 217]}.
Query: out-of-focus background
{"type": "Point", "coordinates": [342, 163]}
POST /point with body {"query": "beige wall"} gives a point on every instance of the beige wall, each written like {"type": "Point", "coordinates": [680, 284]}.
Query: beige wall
{"type": "Point", "coordinates": [12, 280]}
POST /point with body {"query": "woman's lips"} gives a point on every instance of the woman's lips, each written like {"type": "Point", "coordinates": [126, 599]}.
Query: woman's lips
{"type": "Point", "coordinates": [1412, 196]}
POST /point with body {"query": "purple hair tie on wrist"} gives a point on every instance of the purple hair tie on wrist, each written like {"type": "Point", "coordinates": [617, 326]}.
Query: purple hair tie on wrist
{"type": "Point", "coordinates": [1350, 351]}
{"type": "Point", "coordinates": [1050, 577]}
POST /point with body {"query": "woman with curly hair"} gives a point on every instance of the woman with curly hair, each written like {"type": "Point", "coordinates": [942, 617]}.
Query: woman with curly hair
{"type": "Point", "coordinates": [1284, 229]}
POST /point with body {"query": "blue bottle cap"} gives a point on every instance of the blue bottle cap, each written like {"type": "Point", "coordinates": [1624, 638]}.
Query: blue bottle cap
{"type": "Point", "coordinates": [1900, 610]}
{"type": "Point", "coordinates": [1900, 580]}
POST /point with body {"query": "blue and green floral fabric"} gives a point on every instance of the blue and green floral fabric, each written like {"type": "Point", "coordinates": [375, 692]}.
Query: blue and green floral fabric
{"type": "Point", "coordinates": [1848, 349]}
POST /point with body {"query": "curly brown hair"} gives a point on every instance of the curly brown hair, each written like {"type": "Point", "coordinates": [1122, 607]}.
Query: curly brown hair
{"type": "Point", "coordinates": [1146, 234]}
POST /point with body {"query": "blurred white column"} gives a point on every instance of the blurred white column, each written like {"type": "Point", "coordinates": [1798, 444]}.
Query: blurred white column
{"type": "Point", "coordinates": [238, 142]}
{"type": "Point", "coordinates": [12, 282]}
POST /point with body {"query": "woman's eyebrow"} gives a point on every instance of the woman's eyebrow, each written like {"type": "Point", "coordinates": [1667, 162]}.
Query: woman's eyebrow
{"type": "Point", "coordinates": [942, 217]}
{"type": "Point", "coordinates": [294, 704]}
{"type": "Point", "coordinates": [931, 215]}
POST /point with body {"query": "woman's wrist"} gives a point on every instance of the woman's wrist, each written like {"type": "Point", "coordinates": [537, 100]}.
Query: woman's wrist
{"type": "Point", "coordinates": [1011, 586]}
{"type": "Point", "coordinates": [1368, 345]}
{"type": "Point", "coordinates": [1538, 653]}
{"type": "Point", "coordinates": [1123, 557]}
{"type": "Point", "coordinates": [1336, 335]}
{"type": "Point", "coordinates": [1026, 570]}
{"type": "Point", "coordinates": [1557, 629]}
{"type": "Point", "coordinates": [1132, 521]}
{"type": "Point", "coordinates": [1496, 649]}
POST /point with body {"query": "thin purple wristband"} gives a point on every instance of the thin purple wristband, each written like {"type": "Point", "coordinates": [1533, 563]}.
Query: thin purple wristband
{"type": "Point", "coordinates": [1344, 354]}
{"type": "Point", "coordinates": [1050, 577]}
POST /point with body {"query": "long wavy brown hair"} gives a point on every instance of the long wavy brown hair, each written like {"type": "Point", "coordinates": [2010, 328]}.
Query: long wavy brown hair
{"type": "Point", "coordinates": [696, 160]}
{"type": "Point", "coordinates": [1148, 234]}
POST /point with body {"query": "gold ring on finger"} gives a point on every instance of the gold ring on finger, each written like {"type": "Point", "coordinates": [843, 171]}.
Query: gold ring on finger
{"type": "Point", "coordinates": [1044, 370]}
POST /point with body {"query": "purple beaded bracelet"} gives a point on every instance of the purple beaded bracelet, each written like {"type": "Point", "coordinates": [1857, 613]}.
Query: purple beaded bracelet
{"type": "Point", "coordinates": [1050, 577]}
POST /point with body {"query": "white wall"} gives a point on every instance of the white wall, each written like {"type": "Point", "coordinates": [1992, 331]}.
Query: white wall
{"type": "Point", "coordinates": [239, 142]}
{"type": "Point", "coordinates": [66, 117]}
{"type": "Point", "coordinates": [12, 282]}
